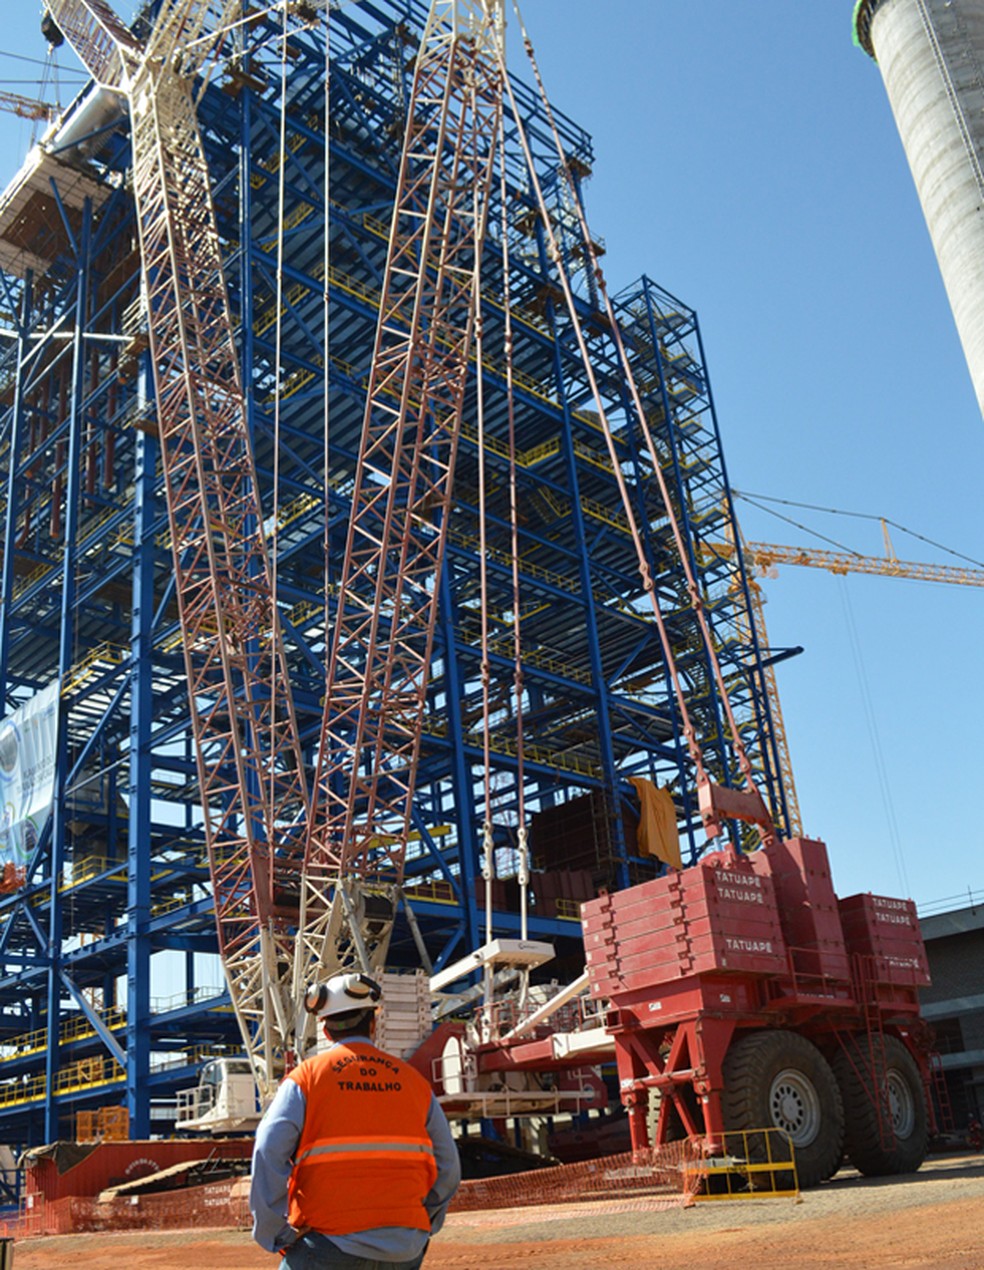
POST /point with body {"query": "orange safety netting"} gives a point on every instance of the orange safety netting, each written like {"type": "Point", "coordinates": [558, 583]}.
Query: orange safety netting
{"type": "Point", "coordinates": [218, 1204]}
{"type": "Point", "coordinates": [665, 1177]}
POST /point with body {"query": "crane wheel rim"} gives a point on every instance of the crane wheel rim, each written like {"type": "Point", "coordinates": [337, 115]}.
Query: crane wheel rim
{"type": "Point", "coordinates": [901, 1104]}
{"type": "Point", "coordinates": [795, 1107]}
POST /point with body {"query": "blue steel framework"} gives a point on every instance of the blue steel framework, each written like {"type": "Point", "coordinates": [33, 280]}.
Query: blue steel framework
{"type": "Point", "coordinates": [118, 875]}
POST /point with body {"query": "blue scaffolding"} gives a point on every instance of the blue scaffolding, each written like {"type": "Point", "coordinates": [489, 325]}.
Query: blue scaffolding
{"type": "Point", "coordinates": [109, 995]}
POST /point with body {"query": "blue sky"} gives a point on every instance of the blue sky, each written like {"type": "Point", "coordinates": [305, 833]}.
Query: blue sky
{"type": "Point", "coordinates": [747, 160]}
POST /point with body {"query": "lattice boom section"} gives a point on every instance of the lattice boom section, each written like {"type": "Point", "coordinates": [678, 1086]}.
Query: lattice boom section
{"type": "Point", "coordinates": [378, 671]}
{"type": "Point", "coordinates": [248, 754]}
{"type": "Point", "coordinates": [97, 35]}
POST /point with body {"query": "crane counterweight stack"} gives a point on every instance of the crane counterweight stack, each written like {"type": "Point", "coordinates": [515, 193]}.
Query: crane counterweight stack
{"type": "Point", "coordinates": [737, 956]}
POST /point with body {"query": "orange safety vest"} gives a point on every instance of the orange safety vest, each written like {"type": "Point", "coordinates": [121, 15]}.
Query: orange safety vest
{"type": "Point", "coordinates": [364, 1159]}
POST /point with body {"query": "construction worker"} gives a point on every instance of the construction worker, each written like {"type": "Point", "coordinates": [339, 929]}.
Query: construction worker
{"type": "Point", "coordinates": [354, 1164]}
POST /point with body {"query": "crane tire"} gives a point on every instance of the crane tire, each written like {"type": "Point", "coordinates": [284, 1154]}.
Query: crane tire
{"type": "Point", "coordinates": [892, 1138]}
{"type": "Point", "coordinates": [778, 1079]}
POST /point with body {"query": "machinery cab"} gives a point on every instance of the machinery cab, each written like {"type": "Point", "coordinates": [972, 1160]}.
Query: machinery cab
{"type": "Point", "coordinates": [223, 1101]}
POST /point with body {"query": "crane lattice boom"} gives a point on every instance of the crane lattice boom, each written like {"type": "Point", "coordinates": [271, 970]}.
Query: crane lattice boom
{"type": "Point", "coordinates": [249, 758]}
{"type": "Point", "coordinates": [380, 655]}
{"type": "Point", "coordinates": [766, 554]}
{"type": "Point", "coordinates": [106, 46]}
{"type": "Point", "coordinates": [250, 765]}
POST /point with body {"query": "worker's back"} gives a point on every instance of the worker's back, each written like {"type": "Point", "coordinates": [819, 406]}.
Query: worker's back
{"type": "Point", "coordinates": [364, 1159]}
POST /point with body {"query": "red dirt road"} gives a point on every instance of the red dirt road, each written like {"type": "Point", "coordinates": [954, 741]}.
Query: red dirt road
{"type": "Point", "coordinates": [931, 1221]}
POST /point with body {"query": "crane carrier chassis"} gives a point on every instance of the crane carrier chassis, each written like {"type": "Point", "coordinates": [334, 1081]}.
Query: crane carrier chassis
{"type": "Point", "coordinates": [741, 994]}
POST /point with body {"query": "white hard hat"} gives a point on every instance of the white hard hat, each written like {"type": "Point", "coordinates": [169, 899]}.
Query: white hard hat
{"type": "Point", "coordinates": [342, 994]}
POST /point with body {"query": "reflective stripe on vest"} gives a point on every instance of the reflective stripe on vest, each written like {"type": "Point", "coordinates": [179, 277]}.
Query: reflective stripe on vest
{"type": "Point", "coordinates": [364, 1159]}
{"type": "Point", "coordinates": [346, 1147]}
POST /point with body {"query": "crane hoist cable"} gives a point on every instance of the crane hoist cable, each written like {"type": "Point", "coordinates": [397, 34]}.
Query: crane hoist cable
{"type": "Point", "coordinates": [523, 872]}
{"type": "Point", "coordinates": [278, 338]}
{"type": "Point", "coordinates": [874, 736]}
{"type": "Point", "coordinates": [488, 841]}
{"type": "Point", "coordinates": [518, 704]}
{"type": "Point", "coordinates": [401, 501]}
{"type": "Point", "coordinates": [756, 500]}
{"type": "Point", "coordinates": [488, 828]}
{"type": "Point", "coordinates": [716, 803]}
{"type": "Point", "coordinates": [326, 335]}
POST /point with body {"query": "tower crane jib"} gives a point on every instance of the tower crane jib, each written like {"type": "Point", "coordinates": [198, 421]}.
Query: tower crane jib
{"type": "Point", "coordinates": [766, 555]}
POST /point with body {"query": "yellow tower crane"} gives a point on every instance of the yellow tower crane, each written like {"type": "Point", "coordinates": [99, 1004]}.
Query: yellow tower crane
{"type": "Point", "coordinates": [27, 107]}
{"type": "Point", "coordinates": [765, 556]}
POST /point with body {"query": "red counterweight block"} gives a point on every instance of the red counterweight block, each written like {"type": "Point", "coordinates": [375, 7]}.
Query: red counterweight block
{"type": "Point", "coordinates": [718, 917]}
{"type": "Point", "coordinates": [808, 911]}
{"type": "Point", "coordinates": [887, 932]}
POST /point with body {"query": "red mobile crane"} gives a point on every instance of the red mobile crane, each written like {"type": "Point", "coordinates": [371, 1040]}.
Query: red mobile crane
{"type": "Point", "coordinates": [741, 990]}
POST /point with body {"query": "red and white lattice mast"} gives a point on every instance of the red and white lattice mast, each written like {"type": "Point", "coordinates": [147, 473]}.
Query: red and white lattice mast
{"type": "Point", "coordinates": [383, 634]}
{"type": "Point", "coordinates": [250, 766]}
{"type": "Point", "coordinates": [344, 855]}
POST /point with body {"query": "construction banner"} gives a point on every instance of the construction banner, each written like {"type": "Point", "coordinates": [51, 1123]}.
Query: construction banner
{"type": "Point", "coordinates": [28, 740]}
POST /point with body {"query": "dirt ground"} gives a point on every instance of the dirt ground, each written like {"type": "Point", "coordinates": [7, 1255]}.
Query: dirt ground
{"type": "Point", "coordinates": [933, 1220]}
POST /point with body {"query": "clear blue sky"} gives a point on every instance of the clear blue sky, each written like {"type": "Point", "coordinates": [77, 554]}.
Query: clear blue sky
{"type": "Point", "coordinates": [748, 161]}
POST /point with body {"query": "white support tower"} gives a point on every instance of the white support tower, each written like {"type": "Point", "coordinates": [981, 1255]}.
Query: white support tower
{"type": "Point", "coordinates": [931, 57]}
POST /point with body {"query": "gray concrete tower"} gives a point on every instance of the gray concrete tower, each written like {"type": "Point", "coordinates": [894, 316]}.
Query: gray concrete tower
{"type": "Point", "coordinates": [931, 57]}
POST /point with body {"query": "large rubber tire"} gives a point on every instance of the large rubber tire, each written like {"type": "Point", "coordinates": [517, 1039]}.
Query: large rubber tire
{"type": "Point", "coordinates": [781, 1080]}
{"type": "Point", "coordinates": [903, 1114]}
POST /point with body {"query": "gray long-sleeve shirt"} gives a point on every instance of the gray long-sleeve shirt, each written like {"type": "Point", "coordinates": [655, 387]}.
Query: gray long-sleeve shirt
{"type": "Point", "coordinates": [273, 1155]}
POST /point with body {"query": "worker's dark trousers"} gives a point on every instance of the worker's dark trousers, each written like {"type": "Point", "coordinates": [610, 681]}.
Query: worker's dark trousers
{"type": "Point", "coordinates": [316, 1252]}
